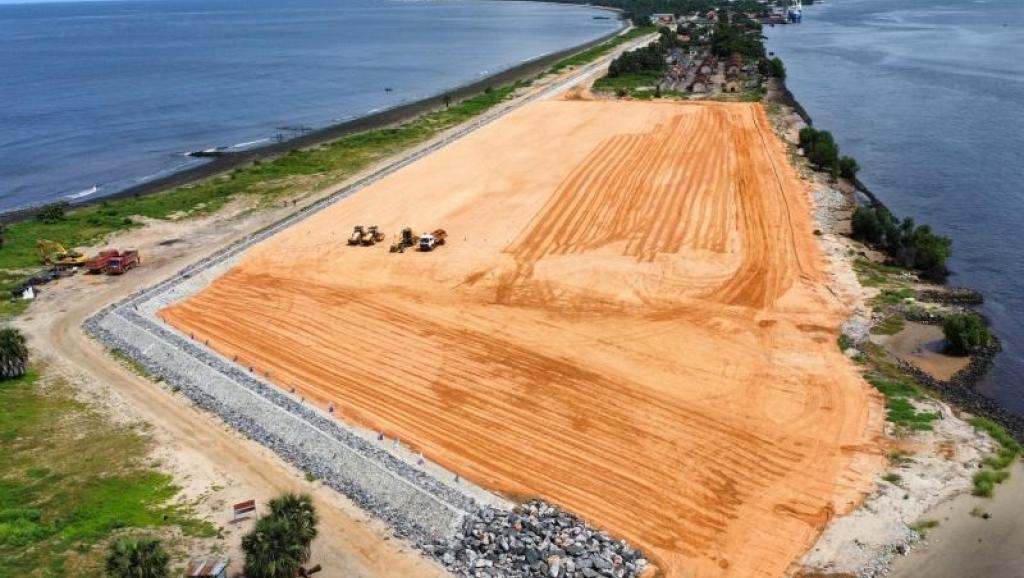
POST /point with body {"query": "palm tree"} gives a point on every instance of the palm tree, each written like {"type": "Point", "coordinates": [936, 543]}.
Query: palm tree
{"type": "Point", "coordinates": [13, 353]}
{"type": "Point", "coordinates": [137, 558]}
{"type": "Point", "coordinates": [298, 512]}
{"type": "Point", "coordinates": [272, 550]}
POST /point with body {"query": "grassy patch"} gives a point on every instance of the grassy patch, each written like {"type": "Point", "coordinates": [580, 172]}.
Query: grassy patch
{"type": "Point", "coordinates": [872, 274]}
{"type": "Point", "coordinates": [594, 52]}
{"type": "Point", "coordinates": [891, 325]}
{"type": "Point", "coordinates": [630, 83]}
{"type": "Point", "coordinates": [995, 469]}
{"type": "Point", "coordinates": [69, 479]}
{"type": "Point", "coordinates": [899, 409]}
{"type": "Point", "coordinates": [893, 296]}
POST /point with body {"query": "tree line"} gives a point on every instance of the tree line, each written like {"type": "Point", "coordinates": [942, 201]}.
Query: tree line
{"type": "Point", "coordinates": [650, 58]}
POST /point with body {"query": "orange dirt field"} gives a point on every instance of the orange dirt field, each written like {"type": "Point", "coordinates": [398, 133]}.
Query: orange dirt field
{"type": "Point", "coordinates": [630, 319]}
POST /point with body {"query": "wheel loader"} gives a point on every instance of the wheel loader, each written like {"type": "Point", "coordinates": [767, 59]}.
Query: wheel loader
{"type": "Point", "coordinates": [405, 240]}
{"type": "Point", "coordinates": [372, 236]}
{"type": "Point", "coordinates": [357, 235]}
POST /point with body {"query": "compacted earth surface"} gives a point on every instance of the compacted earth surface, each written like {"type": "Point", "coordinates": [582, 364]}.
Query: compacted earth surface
{"type": "Point", "coordinates": [630, 319]}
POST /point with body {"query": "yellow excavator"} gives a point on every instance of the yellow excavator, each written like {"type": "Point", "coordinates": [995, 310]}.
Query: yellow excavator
{"type": "Point", "coordinates": [53, 253]}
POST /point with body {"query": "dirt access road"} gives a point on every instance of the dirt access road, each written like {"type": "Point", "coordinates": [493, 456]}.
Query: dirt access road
{"type": "Point", "coordinates": [630, 319]}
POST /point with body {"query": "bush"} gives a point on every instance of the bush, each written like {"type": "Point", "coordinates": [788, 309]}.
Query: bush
{"type": "Point", "coordinates": [137, 558]}
{"type": "Point", "coordinates": [869, 224]}
{"type": "Point", "coordinates": [13, 354]}
{"type": "Point", "coordinates": [776, 68]}
{"type": "Point", "coordinates": [820, 148]}
{"type": "Point", "coordinates": [848, 168]}
{"type": "Point", "coordinates": [52, 213]}
{"type": "Point", "coordinates": [965, 332]}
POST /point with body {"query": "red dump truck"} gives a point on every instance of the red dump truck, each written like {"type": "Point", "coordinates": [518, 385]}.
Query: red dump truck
{"type": "Point", "coordinates": [98, 264]}
{"type": "Point", "coordinates": [121, 263]}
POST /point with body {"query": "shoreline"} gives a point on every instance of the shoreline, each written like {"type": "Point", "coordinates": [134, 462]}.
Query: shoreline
{"type": "Point", "coordinates": [889, 530]}
{"type": "Point", "coordinates": [381, 119]}
{"type": "Point", "coordinates": [959, 390]}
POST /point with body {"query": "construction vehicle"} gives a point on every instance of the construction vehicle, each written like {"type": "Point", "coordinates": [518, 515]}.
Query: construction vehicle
{"type": "Point", "coordinates": [430, 240]}
{"type": "Point", "coordinates": [120, 264]}
{"type": "Point", "coordinates": [357, 235]}
{"type": "Point", "coordinates": [405, 240]}
{"type": "Point", "coordinates": [372, 236]}
{"type": "Point", "coordinates": [98, 264]}
{"type": "Point", "coordinates": [53, 253]}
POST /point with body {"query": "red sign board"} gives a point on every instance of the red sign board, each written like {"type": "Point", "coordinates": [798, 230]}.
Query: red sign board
{"type": "Point", "coordinates": [244, 507]}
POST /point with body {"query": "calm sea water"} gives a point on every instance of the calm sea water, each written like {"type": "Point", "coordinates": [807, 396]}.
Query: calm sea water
{"type": "Point", "coordinates": [928, 95]}
{"type": "Point", "coordinates": [113, 93]}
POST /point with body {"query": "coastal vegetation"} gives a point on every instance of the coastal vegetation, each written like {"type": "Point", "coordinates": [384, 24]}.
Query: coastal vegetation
{"type": "Point", "coordinates": [647, 59]}
{"type": "Point", "coordinates": [594, 52]}
{"type": "Point", "coordinates": [906, 244]}
{"type": "Point", "coordinates": [775, 68]}
{"type": "Point", "coordinates": [820, 149]}
{"type": "Point", "coordinates": [280, 543]}
{"type": "Point", "coordinates": [965, 333]}
{"type": "Point", "coordinates": [899, 393]}
{"type": "Point", "coordinates": [142, 557]}
{"type": "Point", "coordinates": [13, 353]}
{"type": "Point", "coordinates": [71, 481]}
{"type": "Point", "coordinates": [996, 466]}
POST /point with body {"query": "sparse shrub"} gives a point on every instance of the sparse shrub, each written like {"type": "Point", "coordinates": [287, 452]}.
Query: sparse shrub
{"type": "Point", "coordinates": [893, 478]}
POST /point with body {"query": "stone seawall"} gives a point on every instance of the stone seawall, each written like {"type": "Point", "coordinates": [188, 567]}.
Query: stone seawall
{"type": "Point", "coordinates": [415, 504]}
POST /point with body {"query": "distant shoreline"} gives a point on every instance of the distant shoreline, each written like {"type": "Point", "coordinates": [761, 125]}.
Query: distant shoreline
{"type": "Point", "coordinates": [383, 118]}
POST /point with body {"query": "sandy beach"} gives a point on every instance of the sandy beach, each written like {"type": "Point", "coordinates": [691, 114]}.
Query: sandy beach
{"type": "Point", "coordinates": [975, 537]}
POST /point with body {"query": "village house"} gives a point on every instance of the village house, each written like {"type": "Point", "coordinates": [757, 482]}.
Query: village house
{"type": "Point", "coordinates": [663, 19]}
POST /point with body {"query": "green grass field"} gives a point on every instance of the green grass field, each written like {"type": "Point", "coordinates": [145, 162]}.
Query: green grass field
{"type": "Point", "coordinates": [70, 479]}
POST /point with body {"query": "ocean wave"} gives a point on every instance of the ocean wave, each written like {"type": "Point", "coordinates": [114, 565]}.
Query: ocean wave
{"type": "Point", "coordinates": [84, 193]}
{"type": "Point", "coordinates": [250, 143]}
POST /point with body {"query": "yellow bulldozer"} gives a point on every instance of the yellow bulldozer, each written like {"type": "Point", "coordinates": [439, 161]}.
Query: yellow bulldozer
{"type": "Point", "coordinates": [53, 253]}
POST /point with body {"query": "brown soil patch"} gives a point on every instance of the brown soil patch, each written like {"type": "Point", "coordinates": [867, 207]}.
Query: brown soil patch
{"type": "Point", "coordinates": [630, 320]}
{"type": "Point", "coordinates": [922, 345]}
